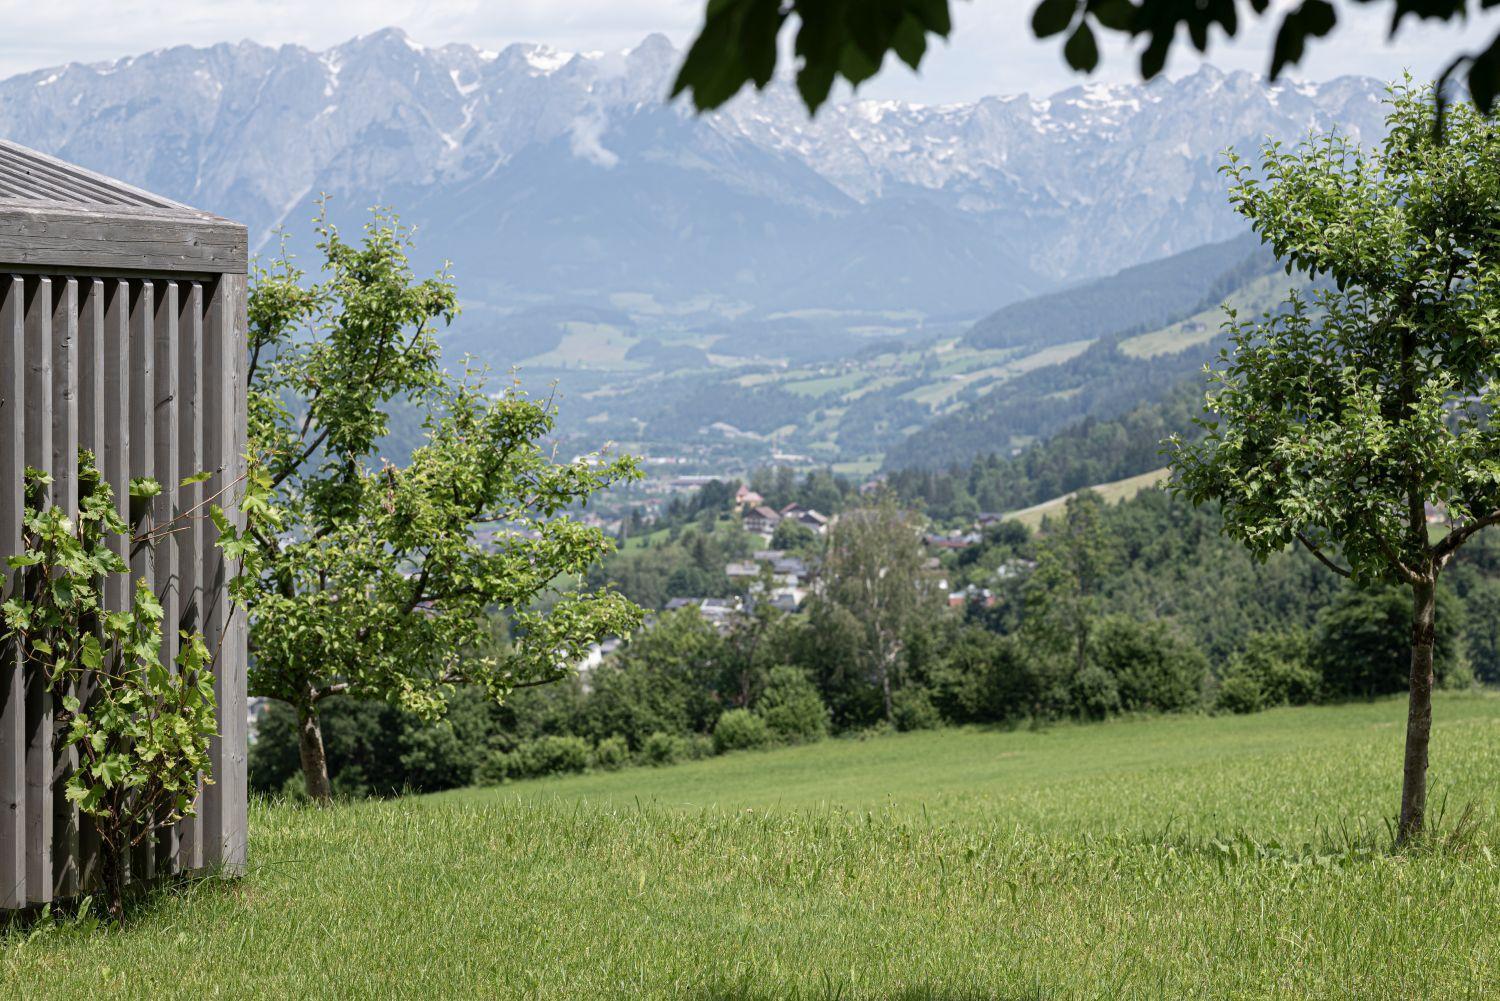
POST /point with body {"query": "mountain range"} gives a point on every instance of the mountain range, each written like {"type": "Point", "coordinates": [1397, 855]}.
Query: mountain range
{"type": "Point", "coordinates": [554, 178]}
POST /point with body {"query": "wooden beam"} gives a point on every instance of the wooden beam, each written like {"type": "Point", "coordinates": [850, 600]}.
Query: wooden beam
{"type": "Point", "coordinates": [120, 241]}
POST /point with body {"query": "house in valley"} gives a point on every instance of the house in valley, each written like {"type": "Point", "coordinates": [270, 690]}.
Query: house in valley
{"type": "Point", "coordinates": [761, 520]}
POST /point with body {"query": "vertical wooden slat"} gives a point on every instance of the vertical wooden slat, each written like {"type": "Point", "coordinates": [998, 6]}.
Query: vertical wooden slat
{"type": "Point", "coordinates": [227, 336]}
{"type": "Point", "coordinates": [39, 729]}
{"type": "Point", "coordinates": [221, 454]}
{"type": "Point", "coordinates": [190, 539]}
{"type": "Point", "coordinates": [65, 439]}
{"type": "Point", "coordinates": [114, 458]}
{"type": "Point", "coordinates": [91, 338]}
{"type": "Point", "coordinates": [142, 403]}
{"type": "Point", "coordinates": [169, 579]}
{"type": "Point", "coordinates": [113, 450]}
{"type": "Point", "coordinates": [12, 683]}
{"type": "Point", "coordinates": [91, 438]}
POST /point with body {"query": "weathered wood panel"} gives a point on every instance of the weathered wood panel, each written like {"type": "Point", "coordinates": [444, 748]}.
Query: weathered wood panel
{"type": "Point", "coordinates": [64, 468]}
{"type": "Point", "coordinates": [122, 331]}
{"type": "Point", "coordinates": [148, 375]}
{"type": "Point", "coordinates": [37, 430]}
{"type": "Point", "coordinates": [12, 685]}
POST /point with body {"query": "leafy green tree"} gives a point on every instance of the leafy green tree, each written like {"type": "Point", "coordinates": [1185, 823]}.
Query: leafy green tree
{"type": "Point", "coordinates": [873, 571]}
{"type": "Point", "coordinates": [793, 536]}
{"type": "Point", "coordinates": [366, 577]}
{"type": "Point", "coordinates": [1342, 424]}
{"type": "Point", "coordinates": [663, 679]}
{"type": "Point", "coordinates": [1074, 558]}
{"type": "Point", "coordinates": [1361, 642]}
{"type": "Point", "coordinates": [982, 677]}
{"type": "Point", "coordinates": [739, 41]}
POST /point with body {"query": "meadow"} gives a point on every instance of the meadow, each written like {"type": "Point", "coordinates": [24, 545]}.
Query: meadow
{"type": "Point", "coordinates": [1228, 857]}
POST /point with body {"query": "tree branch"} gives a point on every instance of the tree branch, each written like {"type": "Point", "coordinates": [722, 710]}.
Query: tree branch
{"type": "Point", "coordinates": [336, 688]}
{"type": "Point", "coordinates": [292, 469]}
{"type": "Point", "coordinates": [1459, 536]}
{"type": "Point", "coordinates": [1313, 548]}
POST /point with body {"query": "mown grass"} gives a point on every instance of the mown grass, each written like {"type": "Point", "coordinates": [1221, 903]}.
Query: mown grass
{"type": "Point", "coordinates": [1233, 857]}
{"type": "Point", "coordinates": [1113, 493]}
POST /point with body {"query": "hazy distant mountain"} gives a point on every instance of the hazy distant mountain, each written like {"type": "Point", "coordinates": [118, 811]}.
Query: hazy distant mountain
{"type": "Point", "coordinates": [551, 177]}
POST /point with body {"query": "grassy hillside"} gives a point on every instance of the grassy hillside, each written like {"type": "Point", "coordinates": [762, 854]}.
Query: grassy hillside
{"type": "Point", "coordinates": [1228, 858]}
{"type": "Point", "coordinates": [1113, 493]}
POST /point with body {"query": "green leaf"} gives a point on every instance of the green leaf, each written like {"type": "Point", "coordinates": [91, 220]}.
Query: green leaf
{"type": "Point", "coordinates": [1081, 51]}
{"type": "Point", "coordinates": [1312, 19]}
{"type": "Point", "coordinates": [196, 478]}
{"type": "Point", "coordinates": [144, 488]}
{"type": "Point", "coordinates": [1052, 17]}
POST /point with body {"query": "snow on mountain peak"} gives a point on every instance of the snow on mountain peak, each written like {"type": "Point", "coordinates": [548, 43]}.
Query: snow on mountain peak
{"type": "Point", "coordinates": [248, 130]}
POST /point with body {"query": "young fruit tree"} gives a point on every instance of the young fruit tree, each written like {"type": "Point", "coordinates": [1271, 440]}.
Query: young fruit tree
{"type": "Point", "coordinates": [1350, 423]}
{"type": "Point", "coordinates": [369, 578]}
{"type": "Point", "coordinates": [137, 728]}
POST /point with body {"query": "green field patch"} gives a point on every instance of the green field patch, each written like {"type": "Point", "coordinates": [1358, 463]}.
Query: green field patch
{"type": "Point", "coordinates": [826, 385]}
{"type": "Point", "coordinates": [1260, 295]}
{"type": "Point", "coordinates": [1113, 493]}
{"type": "Point", "coordinates": [590, 345]}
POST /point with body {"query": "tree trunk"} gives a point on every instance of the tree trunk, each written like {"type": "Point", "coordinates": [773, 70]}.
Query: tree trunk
{"type": "Point", "coordinates": [314, 761]}
{"type": "Point", "coordinates": [1419, 711]}
{"type": "Point", "coordinates": [885, 691]}
{"type": "Point", "coordinates": [112, 879]}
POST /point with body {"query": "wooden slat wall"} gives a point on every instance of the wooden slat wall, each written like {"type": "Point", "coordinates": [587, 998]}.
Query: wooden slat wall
{"type": "Point", "coordinates": [148, 376]}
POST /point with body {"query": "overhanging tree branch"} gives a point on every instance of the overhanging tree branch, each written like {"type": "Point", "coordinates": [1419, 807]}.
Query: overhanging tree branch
{"type": "Point", "coordinates": [1312, 547]}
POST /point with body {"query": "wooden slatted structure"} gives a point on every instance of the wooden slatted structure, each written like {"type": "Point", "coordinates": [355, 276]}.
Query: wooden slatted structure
{"type": "Point", "coordinates": [122, 331]}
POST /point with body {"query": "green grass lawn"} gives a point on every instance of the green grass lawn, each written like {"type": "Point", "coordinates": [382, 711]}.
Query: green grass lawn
{"type": "Point", "coordinates": [1238, 857]}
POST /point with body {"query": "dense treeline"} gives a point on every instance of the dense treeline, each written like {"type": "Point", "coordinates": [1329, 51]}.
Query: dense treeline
{"type": "Point", "coordinates": [1095, 450]}
{"type": "Point", "coordinates": [1138, 607]}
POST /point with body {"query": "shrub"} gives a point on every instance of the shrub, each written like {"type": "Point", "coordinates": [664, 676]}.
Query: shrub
{"type": "Point", "coordinates": [740, 730]}
{"type": "Point", "coordinates": [663, 749]}
{"type": "Point", "coordinates": [1240, 693]}
{"type": "Point", "coordinates": [912, 709]}
{"type": "Point", "coordinates": [612, 753]}
{"type": "Point", "coordinates": [791, 706]}
{"type": "Point", "coordinates": [1094, 692]}
{"type": "Point", "coordinates": [1272, 670]}
{"type": "Point", "coordinates": [1153, 668]}
{"type": "Point", "coordinates": [983, 677]}
{"type": "Point", "coordinates": [533, 759]}
{"type": "Point", "coordinates": [497, 767]}
{"type": "Point", "coordinates": [699, 745]}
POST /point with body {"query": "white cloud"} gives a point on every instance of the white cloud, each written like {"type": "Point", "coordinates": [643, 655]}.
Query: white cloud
{"type": "Point", "coordinates": [586, 137]}
{"type": "Point", "coordinates": [992, 50]}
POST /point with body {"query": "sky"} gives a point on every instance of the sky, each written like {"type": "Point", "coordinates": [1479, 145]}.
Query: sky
{"type": "Point", "coordinates": [992, 51]}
